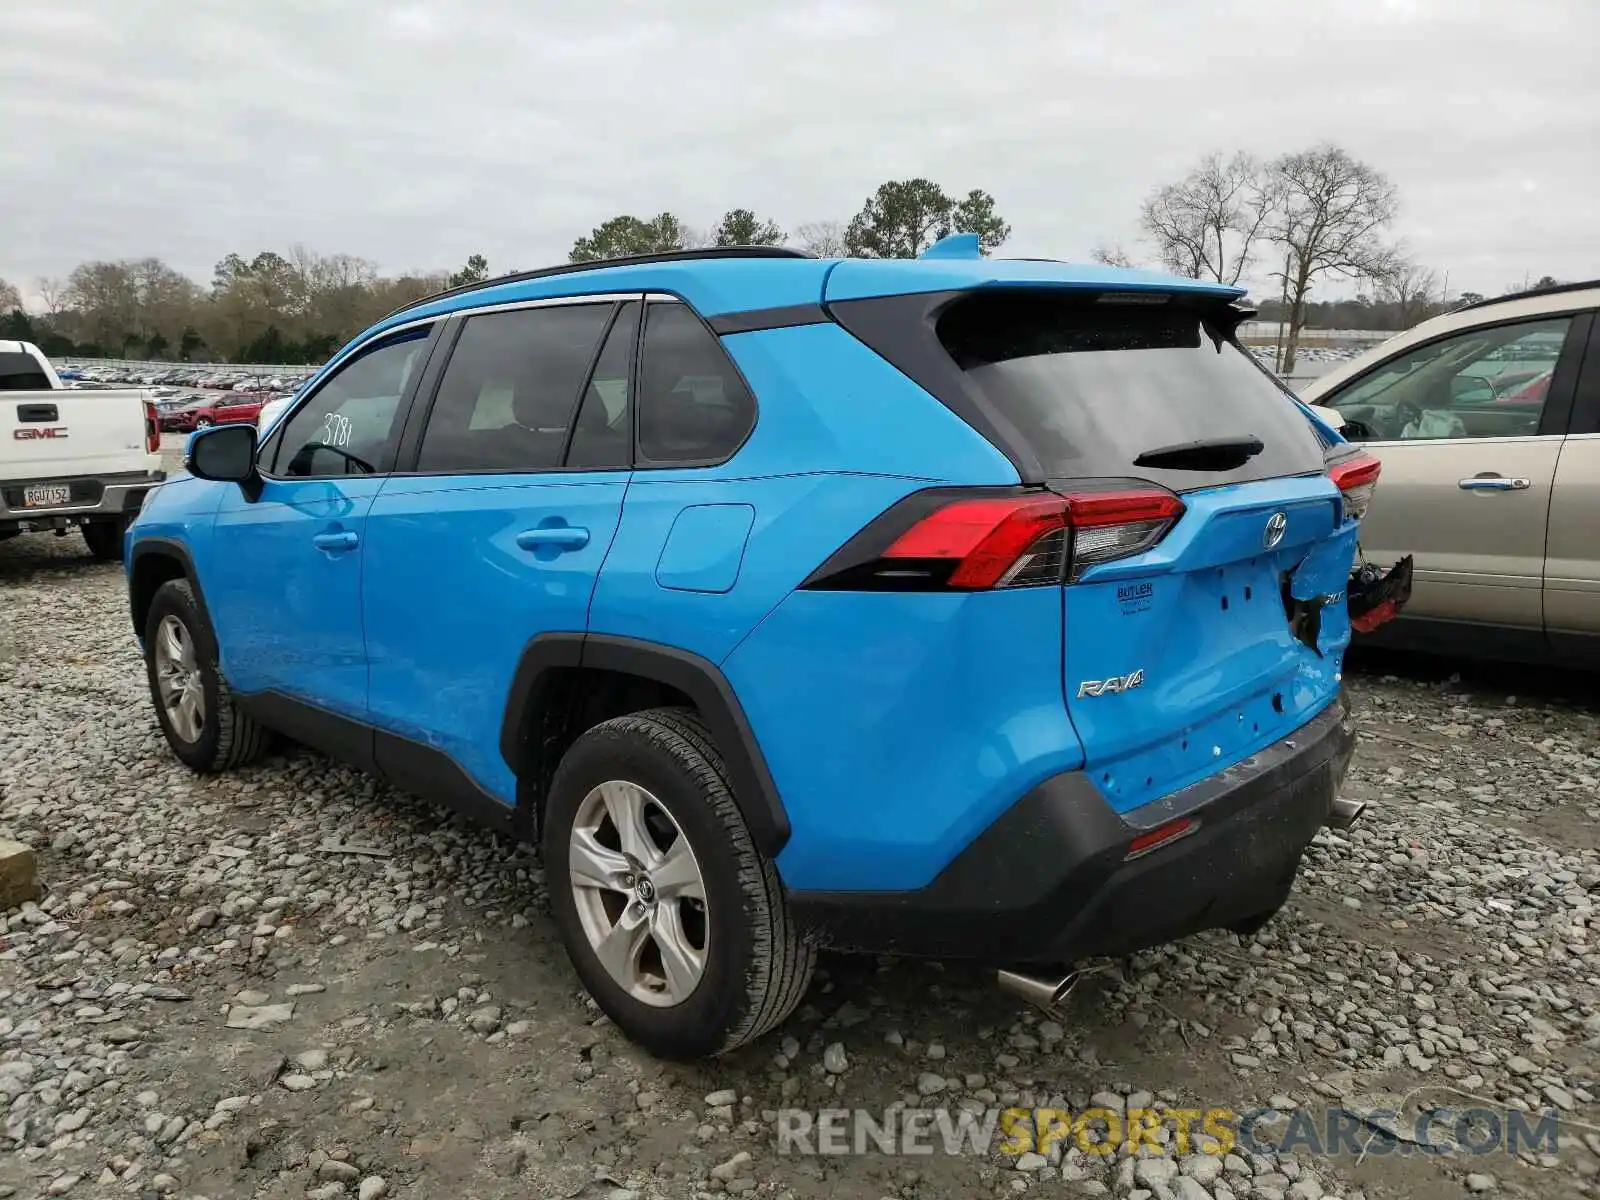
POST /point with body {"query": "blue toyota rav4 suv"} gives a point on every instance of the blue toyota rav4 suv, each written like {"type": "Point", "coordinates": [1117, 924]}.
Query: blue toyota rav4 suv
{"type": "Point", "coordinates": [958, 607]}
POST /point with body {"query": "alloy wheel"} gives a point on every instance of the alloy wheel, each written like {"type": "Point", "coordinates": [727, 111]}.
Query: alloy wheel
{"type": "Point", "coordinates": [179, 680]}
{"type": "Point", "coordinates": [640, 895]}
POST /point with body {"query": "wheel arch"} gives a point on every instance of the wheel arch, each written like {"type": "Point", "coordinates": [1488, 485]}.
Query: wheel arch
{"type": "Point", "coordinates": [153, 562]}
{"type": "Point", "coordinates": [546, 710]}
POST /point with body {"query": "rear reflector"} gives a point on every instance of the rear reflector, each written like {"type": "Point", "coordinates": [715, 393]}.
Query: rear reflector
{"type": "Point", "coordinates": [940, 541]}
{"type": "Point", "coordinates": [1356, 478]}
{"type": "Point", "coordinates": [1160, 836]}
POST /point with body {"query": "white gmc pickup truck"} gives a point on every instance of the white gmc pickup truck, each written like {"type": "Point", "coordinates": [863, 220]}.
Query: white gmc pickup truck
{"type": "Point", "coordinates": [72, 459]}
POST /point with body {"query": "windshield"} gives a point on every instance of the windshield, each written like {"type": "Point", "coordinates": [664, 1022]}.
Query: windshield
{"type": "Point", "coordinates": [1093, 385]}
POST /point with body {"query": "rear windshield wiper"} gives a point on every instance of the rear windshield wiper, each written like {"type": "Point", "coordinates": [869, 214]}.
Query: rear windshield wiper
{"type": "Point", "coordinates": [1207, 454]}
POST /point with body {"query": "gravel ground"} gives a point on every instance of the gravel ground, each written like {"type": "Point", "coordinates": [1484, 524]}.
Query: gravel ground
{"type": "Point", "coordinates": [294, 982]}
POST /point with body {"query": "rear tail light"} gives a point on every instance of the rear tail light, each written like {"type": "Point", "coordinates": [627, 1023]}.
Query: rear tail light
{"type": "Point", "coordinates": [1013, 542]}
{"type": "Point", "coordinates": [973, 541]}
{"type": "Point", "coordinates": [1356, 478]}
{"type": "Point", "coordinates": [152, 429]}
{"type": "Point", "coordinates": [1111, 525]}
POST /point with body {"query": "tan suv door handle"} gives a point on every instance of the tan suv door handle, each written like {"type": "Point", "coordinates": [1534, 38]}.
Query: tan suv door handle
{"type": "Point", "coordinates": [1493, 483]}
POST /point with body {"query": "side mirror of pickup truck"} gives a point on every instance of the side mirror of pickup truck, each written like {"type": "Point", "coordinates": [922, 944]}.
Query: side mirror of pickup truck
{"type": "Point", "coordinates": [227, 454]}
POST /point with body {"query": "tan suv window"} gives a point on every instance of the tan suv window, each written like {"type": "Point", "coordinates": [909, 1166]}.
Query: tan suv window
{"type": "Point", "coordinates": [1490, 382]}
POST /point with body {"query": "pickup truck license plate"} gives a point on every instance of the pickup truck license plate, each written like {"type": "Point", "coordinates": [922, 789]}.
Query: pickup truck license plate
{"type": "Point", "coordinates": [45, 495]}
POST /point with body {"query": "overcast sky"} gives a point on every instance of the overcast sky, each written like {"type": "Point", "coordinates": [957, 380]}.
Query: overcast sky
{"type": "Point", "coordinates": [415, 134]}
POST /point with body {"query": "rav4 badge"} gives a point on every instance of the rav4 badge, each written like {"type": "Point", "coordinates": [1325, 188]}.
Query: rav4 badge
{"type": "Point", "coordinates": [1114, 686]}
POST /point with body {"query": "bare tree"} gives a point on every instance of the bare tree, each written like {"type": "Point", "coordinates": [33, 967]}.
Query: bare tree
{"type": "Point", "coordinates": [1414, 291]}
{"type": "Point", "coordinates": [1330, 216]}
{"type": "Point", "coordinates": [1112, 255]}
{"type": "Point", "coordinates": [10, 298]}
{"type": "Point", "coordinates": [52, 291]}
{"type": "Point", "coordinates": [824, 239]}
{"type": "Point", "coordinates": [1206, 225]}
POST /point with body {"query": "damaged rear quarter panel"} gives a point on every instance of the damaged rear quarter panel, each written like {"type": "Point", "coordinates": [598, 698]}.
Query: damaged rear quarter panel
{"type": "Point", "coordinates": [1320, 583]}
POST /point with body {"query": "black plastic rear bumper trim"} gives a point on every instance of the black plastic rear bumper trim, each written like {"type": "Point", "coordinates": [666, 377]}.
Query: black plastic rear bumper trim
{"type": "Point", "coordinates": [1047, 882]}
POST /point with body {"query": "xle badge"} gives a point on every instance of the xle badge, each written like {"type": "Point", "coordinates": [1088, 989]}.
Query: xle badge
{"type": "Point", "coordinates": [1114, 686]}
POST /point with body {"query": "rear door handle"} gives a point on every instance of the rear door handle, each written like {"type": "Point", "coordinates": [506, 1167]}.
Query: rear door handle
{"type": "Point", "coordinates": [344, 540]}
{"type": "Point", "coordinates": [557, 537]}
{"type": "Point", "coordinates": [1493, 483]}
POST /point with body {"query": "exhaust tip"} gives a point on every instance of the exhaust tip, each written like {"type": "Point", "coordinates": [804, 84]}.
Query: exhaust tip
{"type": "Point", "coordinates": [1046, 993]}
{"type": "Point", "coordinates": [1345, 813]}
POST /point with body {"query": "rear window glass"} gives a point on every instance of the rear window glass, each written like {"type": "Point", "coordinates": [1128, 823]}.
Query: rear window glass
{"type": "Point", "coordinates": [21, 373]}
{"type": "Point", "coordinates": [1093, 386]}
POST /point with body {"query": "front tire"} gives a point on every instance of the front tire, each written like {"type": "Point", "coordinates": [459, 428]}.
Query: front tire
{"type": "Point", "coordinates": [201, 720]}
{"type": "Point", "coordinates": [203, 422]}
{"type": "Point", "coordinates": [676, 924]}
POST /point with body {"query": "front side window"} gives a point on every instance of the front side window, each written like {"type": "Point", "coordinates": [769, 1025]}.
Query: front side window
{"type": "Point", "coordinates": [507, 397]}
{"type": "Point", "coordinates": [1490, 382]}
{"type": "Point", "coordinates": [694, 407]}
{"type": "Point", "coordinates": [351, 426]}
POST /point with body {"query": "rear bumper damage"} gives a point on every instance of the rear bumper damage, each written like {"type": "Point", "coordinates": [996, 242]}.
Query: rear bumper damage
{"type": "Point", "coordinates": [1060, 877]}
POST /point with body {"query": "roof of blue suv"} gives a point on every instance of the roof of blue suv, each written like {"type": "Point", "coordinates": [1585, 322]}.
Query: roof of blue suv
{"type": "Point", "coordinates": [742, 279]}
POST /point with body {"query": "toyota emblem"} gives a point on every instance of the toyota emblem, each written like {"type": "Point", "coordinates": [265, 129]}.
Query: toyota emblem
{"type": "Point", "coordinates": [1273, 533]}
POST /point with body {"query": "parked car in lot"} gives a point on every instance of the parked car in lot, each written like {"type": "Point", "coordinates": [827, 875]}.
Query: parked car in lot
{"type": "Point", "coordinates": [223, 409]}
{"type": "Point", "coordinates": [1487, 421]}
{"type": "Point", "coordinates": [959, 607]}
{"type": "Point", "coordinates": [81, 460]}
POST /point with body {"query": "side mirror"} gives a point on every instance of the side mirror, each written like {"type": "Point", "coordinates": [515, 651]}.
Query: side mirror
{"type": "Point", "coordinates": [1332, 416]}
{"type": "Point", "coordinates": [226, 454]}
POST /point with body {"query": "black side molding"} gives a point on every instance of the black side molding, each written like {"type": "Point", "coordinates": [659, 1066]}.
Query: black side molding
{"type": "Point", "coordinates": [694, 676]}
{"type": "Point", "coordinates": [421, 770]}
{"type": "Point", "coordinates": [769, 318]}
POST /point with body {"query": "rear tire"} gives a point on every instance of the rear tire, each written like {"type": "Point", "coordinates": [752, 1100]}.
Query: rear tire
{"type": "Point", "coordinates": [201, 720]}
{"type": "Point", "coordinates": [678, 995]}
{"type": "Point", "coordinates": [104, 539]}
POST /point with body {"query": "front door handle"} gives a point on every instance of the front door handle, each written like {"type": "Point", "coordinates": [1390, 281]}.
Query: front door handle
{"type": "Point", "coordinates": [556, 537]}
{"type": "Point", "coordinates": [343, 540]}
{"type": "Point", "coordinates": [1493, 483]}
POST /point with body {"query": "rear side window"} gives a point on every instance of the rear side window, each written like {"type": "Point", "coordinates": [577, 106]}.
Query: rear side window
{"type": "Point", "coordinates": [694, 408]}
{"type": "Point", "coordinates": [21, 373]}
{"type": "Point", "coordinates": [1093, 386]}
{"type": "Point", "coordinates": [508, 394]}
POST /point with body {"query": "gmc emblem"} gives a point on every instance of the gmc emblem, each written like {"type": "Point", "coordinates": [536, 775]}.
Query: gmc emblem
{"type": "Point", "coordinates": [29, 433]}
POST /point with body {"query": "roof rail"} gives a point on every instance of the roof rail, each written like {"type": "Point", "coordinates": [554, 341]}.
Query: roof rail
{"type": "Point", "coordinates": [631, 260]}
{"type": "Point", "coordinates": [1552, 290]}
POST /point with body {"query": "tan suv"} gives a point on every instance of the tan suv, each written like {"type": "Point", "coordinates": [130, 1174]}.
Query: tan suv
{"type": "Point", "coordinates": [1487, 421]}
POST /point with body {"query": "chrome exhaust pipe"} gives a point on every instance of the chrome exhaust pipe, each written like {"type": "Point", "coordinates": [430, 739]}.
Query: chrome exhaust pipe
{"type": "Point", "coordinates": [1042, 992]}
{"type": "Point", "coordinates": [1345, 813]}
